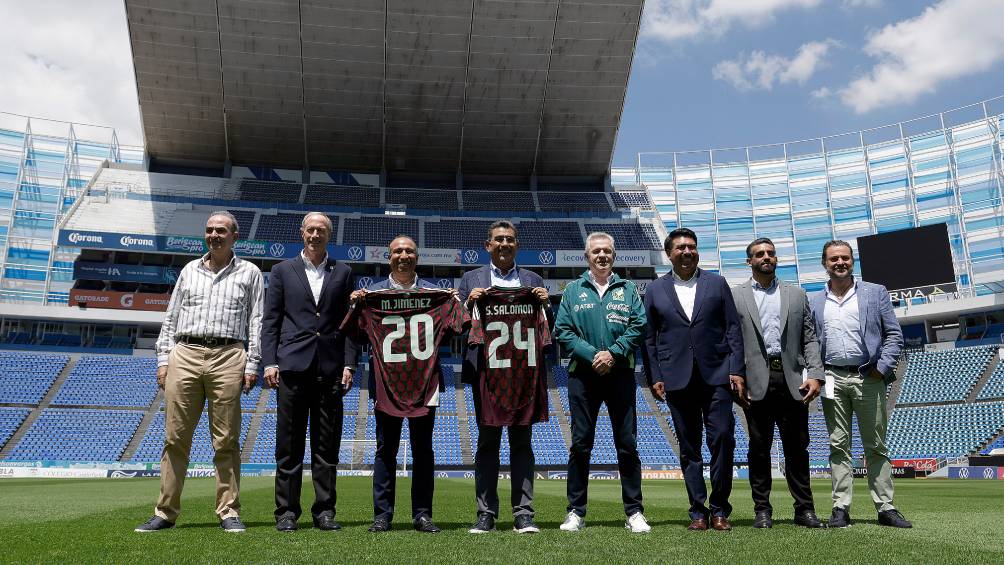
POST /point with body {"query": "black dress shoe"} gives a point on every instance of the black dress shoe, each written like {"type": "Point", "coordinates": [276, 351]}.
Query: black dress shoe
{"type": "Point", "coordinates": [840, 518]}
{"type": "Point", "coordinates": [485, 524]}
{"type": "Point", "coordinates": [763, 520]}
{"type": "Point", "coordinates": [425, 524]}
{"type": "Point", "coordinates": [154, 524]}
{"type": "Point", "coordinates": [326, 522]}
{"type": "Point", "coordinates": [894, 519]}
{"type": "Point", "coordinates": [286, 524]}
{"type": "Point", "coordinates": [380, 525]}
{"type": "Point", "coordinates": [808, 519]}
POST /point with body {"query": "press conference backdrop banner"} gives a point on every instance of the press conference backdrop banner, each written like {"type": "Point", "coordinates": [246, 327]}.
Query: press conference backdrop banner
{"type": "Point", "coordinates": [911, 263]}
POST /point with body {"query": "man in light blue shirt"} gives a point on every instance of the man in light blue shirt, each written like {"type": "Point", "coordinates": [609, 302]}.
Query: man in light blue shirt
{"type": "Point", "coordinates": [861, 343]}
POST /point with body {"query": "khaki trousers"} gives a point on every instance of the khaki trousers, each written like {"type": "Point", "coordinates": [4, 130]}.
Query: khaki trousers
{"type": "Point", "coordinates": [196, 374]}
{"type": "Point", "coordinates": [866, 397]}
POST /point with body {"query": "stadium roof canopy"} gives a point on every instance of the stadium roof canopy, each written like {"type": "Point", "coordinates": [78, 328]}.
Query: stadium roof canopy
{"type": "Point", "coordinates": [510, 87]}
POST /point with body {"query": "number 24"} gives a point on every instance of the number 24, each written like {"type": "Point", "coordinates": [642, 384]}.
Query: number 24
{"type": "Point", "coordinates": [517, 338]}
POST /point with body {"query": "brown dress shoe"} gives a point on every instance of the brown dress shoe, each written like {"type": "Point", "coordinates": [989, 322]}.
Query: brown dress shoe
{"type": "Point", "coordinates": [698, 525]}
{"type": "Point", "coordinates": [721, 523]}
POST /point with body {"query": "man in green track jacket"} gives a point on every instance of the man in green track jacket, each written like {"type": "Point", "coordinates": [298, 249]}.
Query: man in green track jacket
{"type": "Point", "coordinates": [601, 321]}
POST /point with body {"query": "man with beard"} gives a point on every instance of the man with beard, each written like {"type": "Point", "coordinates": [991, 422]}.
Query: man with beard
{"type": "Point", "coordinates": [694, 361]}
{"type": "Point", "coordinates": [779, 337]}
{"type": "Point", "coordinates": [860, 340]}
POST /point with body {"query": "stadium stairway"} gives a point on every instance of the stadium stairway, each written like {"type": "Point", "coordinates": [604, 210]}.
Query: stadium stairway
{"type": "Point", "coordinates": [982, 381]}
{"type": "Point", "coordinates": [144, 425]}
{"type": "Point", "coordinates": [466, 449]}
{"type": "Point", "coordinates": [29, 421]}
{"type": "Point", "coordinates": [359, 450]}
{"type": "Point", "coordinates": [248, 448]}
{"type": "Point", "coordinates": [667, 429]}
{"type": "Point", "coordinates": [557, 410]}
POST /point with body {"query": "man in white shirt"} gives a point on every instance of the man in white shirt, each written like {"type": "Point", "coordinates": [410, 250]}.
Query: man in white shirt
{"type": "Point", "coordinates": [215, 308]}
{"type": "Point", "coordinates": [311, 364]}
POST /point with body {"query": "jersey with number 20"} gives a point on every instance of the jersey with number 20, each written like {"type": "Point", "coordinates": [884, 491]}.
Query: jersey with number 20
{"type": "Point", "coordinates": [404, 329]}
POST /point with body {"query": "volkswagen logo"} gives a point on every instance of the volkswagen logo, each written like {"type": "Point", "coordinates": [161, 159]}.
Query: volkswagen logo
{"type": "Point", "coordinates": [988, 473]}
{"type": "Point", "coordinates": [471, 256]}
{"type": "Point", "coordinates": [277, 249]}
{"type": "Point", "coordinates": [444, 283]}
{"type": "Point", "coordinates": [546, 257]}
{"type": "Point", "coordinates": [364, 282]}
{"type": "Point", "coordinates": [355, 253]}
{"type": "Point", "coordinates": [964, 473]}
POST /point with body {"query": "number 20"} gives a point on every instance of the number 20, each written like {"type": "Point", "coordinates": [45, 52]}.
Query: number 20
{"type": "Point", "coordinates": [426, 323]}
{"type": "Point", "coordinates": [525, 344]}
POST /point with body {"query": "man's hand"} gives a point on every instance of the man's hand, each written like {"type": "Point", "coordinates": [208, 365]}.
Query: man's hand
{"type": "Point", "coordinates": [474, 296]}
{"type": "Point", "coordinates": [875, 374]}
{"type": "Point", "coordinates": [272, 377]}
{"type": "Point", "coordinates": [603, 362]}
{"type": "Point", "coordinates": [541, 294]}
{"type": "Point", "coordinates": [357, 295]}
{"type": "Point", "coordinates": [347, 380]}
{"type": "Point", "coordinates": [161, 376]}
{"type": "Point", "coordinates": [249, 380]}
{"type": "Point", "coordinates": [810, 390]}
{"type": "Point", "coordinates": [658, 390]}
{"type": "Point", "coordinates": [739, 391]}
{"type": "Point", "coordinates": [454, 292]}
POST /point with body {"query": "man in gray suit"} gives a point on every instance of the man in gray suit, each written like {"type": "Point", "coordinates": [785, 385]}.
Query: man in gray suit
{"type": "Point", "coordinates": [861, 342]}
{"type": "Point", "coordinates": [779, 339]}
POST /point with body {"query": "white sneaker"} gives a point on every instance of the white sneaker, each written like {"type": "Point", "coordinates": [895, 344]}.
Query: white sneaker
{"type": "Point", "coordinates": [573, 523]}
{"type": "Point", "coordinates": [637, 524]}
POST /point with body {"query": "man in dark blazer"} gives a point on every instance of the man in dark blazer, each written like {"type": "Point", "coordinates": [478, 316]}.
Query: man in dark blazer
{"type": "Point", "coordinates": [779, 335]}
{"type": "Point", "coordinates": [311, 363]}
{"type": "Point", "coordinates": [694, 361]}
{"type": "Point", "coordinates": [502, 244]}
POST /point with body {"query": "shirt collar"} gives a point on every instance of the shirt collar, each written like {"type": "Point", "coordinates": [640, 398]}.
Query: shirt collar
{"type": "Point", "coordinates": [233, 261]}
{"type": "Point", "coordinates": [306, 261]}
{"type": "Point", "coordinates": [676, 277]}
{"type": "Point", "coordinates": [395, 285]}
{"type": "Point", "coordinates": [758, 286]}
{"type": "Point", "coordinates": [498, 272]}
{"type": "Point", "coordinates": [850, 292]}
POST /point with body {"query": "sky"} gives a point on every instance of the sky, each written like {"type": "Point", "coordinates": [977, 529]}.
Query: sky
{"type": "Point", "coordinates": [706, 74]}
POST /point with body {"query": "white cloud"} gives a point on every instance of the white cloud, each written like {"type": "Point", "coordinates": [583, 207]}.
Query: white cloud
{"type": "Point", "coordinates": [951, 39]}
{"type": "Point", "coordinates": [69, 60]}
{"type": "Point", "coordinates": [672, 20]}
{"type": "Point", "coordinates": [759, 70]}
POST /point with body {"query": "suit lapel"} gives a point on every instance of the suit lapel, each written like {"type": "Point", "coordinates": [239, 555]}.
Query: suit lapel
{"type": "Point", "coordinates": [862, 308]}
{"type": "Point", "coordinates": [298, 268]}
{"type": "Point", "coordinates": [702, 289]}
{"type": "Point", "coordinates": [784, 294]}
{"type": "Point", "coordinates": [754, 313]}
{"type": "Point", "coordinates": [487, 277]}
{"type": "Point", "coordinates": [328, 269]}
{"type": "Point", "coordinates": [673, 298]}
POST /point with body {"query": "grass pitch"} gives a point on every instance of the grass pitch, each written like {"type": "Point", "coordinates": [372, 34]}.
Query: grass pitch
{"type": "Point", "coordinates": [63, 520]}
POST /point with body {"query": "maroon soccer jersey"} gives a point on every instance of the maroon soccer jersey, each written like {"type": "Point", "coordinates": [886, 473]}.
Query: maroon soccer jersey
{"type": "Point", "coordinates": [404, 329]}
{"type": "Point", "coordinates": [511, 327]}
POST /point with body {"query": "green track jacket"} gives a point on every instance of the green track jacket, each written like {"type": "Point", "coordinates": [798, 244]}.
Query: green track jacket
{"type": "Point", "coordinates": [587, 323]}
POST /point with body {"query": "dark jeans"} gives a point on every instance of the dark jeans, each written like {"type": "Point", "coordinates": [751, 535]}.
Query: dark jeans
{"type": "Point", "coordinates": [586, 391]}
{"type": "Point", "coordinates": [792, 420]}
{"type": "Point", "coordinates": [388, 435]}
{"type": "Point", "coordinates": [307, 396]}
{"type": "Point", "coordinates": [695, 408]}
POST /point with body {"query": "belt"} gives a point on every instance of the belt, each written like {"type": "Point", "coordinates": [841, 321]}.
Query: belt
{"type": "Point", "coordinates": [775, 363]}
{"type": "Point", "coordinates": [206, 341]}
{"type": "Point", "coordinates": [846, 368]}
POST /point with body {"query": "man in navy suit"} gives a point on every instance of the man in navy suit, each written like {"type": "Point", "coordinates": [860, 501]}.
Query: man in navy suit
{"type": "Point", "coordinates": [694, 360]}
{"type": "Point", "coordinates": [311, 363]}
{"type": "Point", "coordinates": [860, 343]}
{"type": "Point", "coordinates": [502, 272]}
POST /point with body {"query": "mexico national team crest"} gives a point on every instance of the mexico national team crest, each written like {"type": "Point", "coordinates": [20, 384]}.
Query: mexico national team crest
{"type": "Point", "coordinates": [618, 294]}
